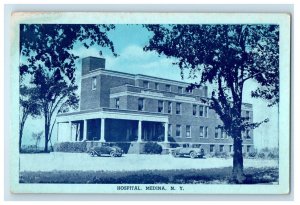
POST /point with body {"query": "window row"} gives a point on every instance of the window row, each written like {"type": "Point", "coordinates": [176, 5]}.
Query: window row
{"type": "Point", "coordinates": [246, 134]}
{"type": "Point", "coordinates": [203, 131]}
{"type": "Point", "coordinates": [220, 133]}
{"type": "Point", "coordinates": [203, 110]}
{"type": "Point", "coordinates": [160, 106]}
{"type": "Point", "coordinates": [165, 87]}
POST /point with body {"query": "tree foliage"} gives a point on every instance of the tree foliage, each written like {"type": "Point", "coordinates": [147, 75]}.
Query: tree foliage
{"type": "Point", "coordinates": [48, 65]}
{"type": "Point", "coordinates": [226, 56]}
{"type": "Point", "coordinates": [28, 106]}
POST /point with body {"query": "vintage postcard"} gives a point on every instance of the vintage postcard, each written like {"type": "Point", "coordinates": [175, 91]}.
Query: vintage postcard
{"type": "Point", "coordinates": [163, 103]}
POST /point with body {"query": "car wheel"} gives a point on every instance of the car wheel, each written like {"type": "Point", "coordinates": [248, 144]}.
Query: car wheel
{"type": "Point", "coordinates": [193, 155]}
{"type": "Point", "coordinates": [92, 154]}
{"type": "Point", "coordinates": [174, 154]}
{"type": "Point", "coordinates": [113, 154]}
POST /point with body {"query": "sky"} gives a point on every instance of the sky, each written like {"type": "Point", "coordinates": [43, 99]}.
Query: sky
{"type": "Point", "coordinates": [129, 41]}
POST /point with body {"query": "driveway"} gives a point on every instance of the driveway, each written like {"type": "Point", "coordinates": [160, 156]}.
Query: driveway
{"type": "Point", "coordinates": [83, 162]}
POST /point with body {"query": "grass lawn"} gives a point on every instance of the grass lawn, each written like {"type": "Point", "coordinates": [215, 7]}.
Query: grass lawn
{"type": "Point", "coordinates": [188, 176]}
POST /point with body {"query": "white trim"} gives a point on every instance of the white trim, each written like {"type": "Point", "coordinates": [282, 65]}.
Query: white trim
{"type": "Point", "coordinates": [113, 115]}
{"type": "Point", "coordinates": [109, 72]}
{"type": "Point", "coordinates": [149, 93]}
{"type": "Point", "coordinates": [135, 77]}
{"type": "Point", "coordinates": [161, 80]}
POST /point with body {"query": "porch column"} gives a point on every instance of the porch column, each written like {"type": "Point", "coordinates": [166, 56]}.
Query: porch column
{"type": "Point", "coordinates": [166, 132]}
{"type": "Point", "coordinates": [84, 129]}
{"type": "Point", "coordinates": [102, 130]}
{"type": "Point", "coordinates": [140, 131]}
{"type": "Point", "coordinates": [70, 130]}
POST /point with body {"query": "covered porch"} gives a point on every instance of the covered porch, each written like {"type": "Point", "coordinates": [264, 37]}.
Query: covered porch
{"type": "Point", "coordinates": [110, 125]}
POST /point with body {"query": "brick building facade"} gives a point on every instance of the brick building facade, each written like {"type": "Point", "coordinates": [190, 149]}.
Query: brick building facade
{"type": "Point", "coordinates": [128, 108]}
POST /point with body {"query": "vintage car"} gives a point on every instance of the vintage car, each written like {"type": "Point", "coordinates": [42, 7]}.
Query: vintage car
{"type": "Point", "coordinates": [189, 150]}
{"type": "Point", "coordinates": [106, 150]}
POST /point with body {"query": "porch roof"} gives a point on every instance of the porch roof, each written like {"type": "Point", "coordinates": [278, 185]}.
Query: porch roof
{"type": "Point", "coordinates": [113, 114]}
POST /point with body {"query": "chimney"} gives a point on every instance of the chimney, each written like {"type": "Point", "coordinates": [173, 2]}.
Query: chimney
{"type": "Point", "coordinates": [90, 64]}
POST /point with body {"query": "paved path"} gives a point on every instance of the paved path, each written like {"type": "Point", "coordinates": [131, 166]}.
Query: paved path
{"type": "Point", "coordinates": [82, 161]}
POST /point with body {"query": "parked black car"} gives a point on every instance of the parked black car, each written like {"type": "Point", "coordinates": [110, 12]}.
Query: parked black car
{"type": "Point", "coordinates": [103, 150]}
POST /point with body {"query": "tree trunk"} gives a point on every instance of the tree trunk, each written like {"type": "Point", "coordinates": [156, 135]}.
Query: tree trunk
{"type": "Point", "coordinates": [22, 123]}
{"type": "Point", "coordinates": [20, 136]}
{"type": "Point", "coordinates": [46, 134]}
{"type": "Point", "coordinates": [238, 169]}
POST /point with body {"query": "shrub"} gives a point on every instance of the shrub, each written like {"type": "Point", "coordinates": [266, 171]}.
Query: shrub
{"type": "Point", "coordinates": [270, 153]}
{"type": "Point", "coordinates": [70, 147]}
{"type": "Point", "coordinates": [152, 148]}
{"type": "Point", "coordinates": [261, 155]}
{"type": "Point", "coordinates": [252, 154]}
{"type": "Point", "coordinates": [28, 149]}
{"type": "Point", "coordinates": [123, 145]}
{"type": "Point", "coordinates": [221, 155]}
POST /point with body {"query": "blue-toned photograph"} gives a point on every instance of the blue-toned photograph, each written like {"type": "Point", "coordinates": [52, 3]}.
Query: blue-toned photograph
{"type": "Point", "coordinates": [152, 104]}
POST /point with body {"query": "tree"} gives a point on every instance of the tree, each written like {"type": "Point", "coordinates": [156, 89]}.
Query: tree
{"type": "Point", "coordinates": [37, 137]}
{"type": "Point", "coordinates": [28, 106]}
{"type": "Point", "coordinates": [226, 56]}
{"type": "Point", "coordinates": [48, 64]}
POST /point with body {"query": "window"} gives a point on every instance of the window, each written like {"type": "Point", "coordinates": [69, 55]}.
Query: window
{"type": "Point", "coordinates": [178, 108]}
{"type": "Point", "coordinates": [180, 90]}
{"type": "Point", "coordinates": [185, 145]}
{"type": "Point", "coordinates": [212, 148]}
{"type": "Point", "coordinates": [201, 113]}
{"type": "Point", "coordinates": [117, 103]}
{"type": "Point", "coordinates": [226, 135]}
{"type": "Point", "coordinates": [94, 83]}
{"type": "Point", "coordinates": [216, 132]}
{"type": "Point", "coordinates": [156, 86]}
{"type": "Point", "coordinates": [169, 107]}
{"type": "Point", "coordinates": [248, 134]}
{"type": "Point", "coordinates": [168, 88]}
{"type": "Point", "coordinates": [196, 145]}
{"type": "Point", "coordinates": [221, 148]}
{"type": "Point", "coordinates": [222, 133]}
{"type": "Point", "coordinates": [205, 111]}
{"type": "Point", "coordinates": [248, 148]}
{"type": "Point", "coordinates": [160, 106]}
{"type": "Point", "coordinates": [247, 115]}
{"type": "Point", "coordinates": [206, 132]}
{"type": "Point", "coordinates": [230, 148]}
{"type": "Point", "coordinates": [194, 109]}
{"type": "Point", "coordinates": [146, 84]}
{"type": "Point", "coordinates": [190, 91]}
{"type": "Point", "coordinates": [169, 129]}
{"type": "Point", "coordinates": [201, 132]}
{"type": "Point", "coordinates": [178, 130]}
{"type": "Point", "coordinates": [188, 131]}
{"type": "Point", "coordinates": [141, 104]}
